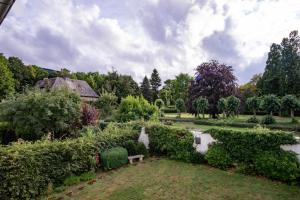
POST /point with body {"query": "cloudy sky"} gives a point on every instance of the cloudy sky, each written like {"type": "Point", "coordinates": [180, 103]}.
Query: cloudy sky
{"type": "Point", "coordinates": [134, 36]}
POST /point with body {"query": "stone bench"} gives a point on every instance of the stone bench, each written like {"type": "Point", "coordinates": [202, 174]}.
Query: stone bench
{"type": "Point", "coordinates": [131, 158]}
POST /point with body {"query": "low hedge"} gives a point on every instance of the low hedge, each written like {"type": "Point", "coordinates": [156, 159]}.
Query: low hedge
{"type": "Point", "coordinates": [175, 143]}
{"type": "Point", "coordinates": [217, 156]}
{"type": "Point", "coordinates": [27, 169]}
{"type": "Point", "coordinates": [114, 158]}
{"type": "Point", "coordinates": [169, 110]}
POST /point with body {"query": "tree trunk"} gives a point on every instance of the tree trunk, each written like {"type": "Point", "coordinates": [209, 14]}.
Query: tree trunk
{"type": "Point", "coordinates": [203, 115]}
{"type": "Point", "coordinates": [292, 114]}
{"type": "Point", "coordinates": [254, 113]}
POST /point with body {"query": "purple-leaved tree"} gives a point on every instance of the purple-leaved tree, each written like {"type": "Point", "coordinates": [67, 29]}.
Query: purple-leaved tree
{"type": "Point", "coordinates": [213, 81]}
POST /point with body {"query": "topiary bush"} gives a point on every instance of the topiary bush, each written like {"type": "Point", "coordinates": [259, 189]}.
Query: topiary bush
{"type": "Point", "coordinates": [268, 119]}
{"type": "Point", "coordinates": [253, 119]}
{"type": "Point", "coordinates": [114, 158]}
{"type": "Point", "coordinates": [217, 156]}
{"type": "Point", "coordinates": [278, 165]}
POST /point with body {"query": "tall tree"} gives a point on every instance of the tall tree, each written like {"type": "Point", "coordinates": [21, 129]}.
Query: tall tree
{"type": "Point", "coordinates": [180, 86]}
{"type": "Point", "coordinates": [146, 90]}
{"type": "Point", "coordinates": [155, 82]}
{"type": "Point", "coordinates": [213, 81]}
{"type": "Point", "coordinates": [7, 84]}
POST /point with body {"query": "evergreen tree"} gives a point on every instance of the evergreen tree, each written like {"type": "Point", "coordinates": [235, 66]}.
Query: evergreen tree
{"type": "Point", "coordinates": [146, 90]}
{"type": "Point", "coordinates": [7, 84]}
{"type": "Point", "coordinates": [155, 82]}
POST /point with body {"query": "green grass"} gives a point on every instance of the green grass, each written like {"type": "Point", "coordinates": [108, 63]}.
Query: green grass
{"type": "Point", "coordinates": [166, 179]}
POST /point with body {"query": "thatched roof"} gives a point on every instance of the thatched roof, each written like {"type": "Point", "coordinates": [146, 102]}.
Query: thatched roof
{"type": "Point", "coordinates": [79, 86]}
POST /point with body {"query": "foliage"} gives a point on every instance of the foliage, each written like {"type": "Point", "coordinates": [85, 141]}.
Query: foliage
{"type": "Point", "coordinates": [114, 158]}
{"type": "Point", "coordinates": [107, 103]}
{"type": "Point", "coordinates": [290, 103]}
{"type": "Point", "coordinates": [173, 142]}
{"type": "Point", "coordinates": [136, 148]}
{"type": "Point", "coordinates": [222, 106]}
{"type": "Point", "coordinates": [268, 119]}
{"type": "Point", "coordinates": [90, 115]}
{"type": "Point", "coordinates": [244, 146]}
{"type": "Point", "coordinates": [217, 156]}
{"type": "Point", "coordinates": [233, 104]}
{"type": "Point", "coordinates": [270, 103]}
{"type": "Point", "coordinates": [278, 165]}
{"type": "Point", "coordinates": [90, 131]}
{"type": "Point", "coordinates": [134, 108]}
{"type": "Point", "coordinates": [213, 81]}
{"type": "Point", "coordinates": [253, 119]}
{"type": "Point", "coordinates": [7, 84]}
{"type": "Point", "coordinates": [281, 74]}
{"type": "Point", "coordinates": [155, 82]}
{"type": "Point", "coordinates": [201, 105]}
{"type": "Point", "coordinates": [146, 89]}
{"type": "Point", "coordinates": [36, 113]}
{"type": "Point", "coordinates": [159, 103]}
{"type": "Point", "coordinates": [253, 104]}
{"type": "Point", "coordinates": [197, 158]}
{"type": "Point", "coordinates": [180, 107]}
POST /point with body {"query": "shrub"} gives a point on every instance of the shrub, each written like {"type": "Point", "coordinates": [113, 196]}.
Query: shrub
{"type": "Point", "coordinates": [222, 106]}
{"type": "Point", "coordinates": [71, 180]}
{"type": "Point", "coordinates": [89, 115]}
{"type": "Point", "coordinates": [233, 104]}
{"type": "Point", "coordinates": [176, 143]}
{"type": "Point", "coordinates": [180, 107]}
{"type": "Point", "coordinates": [290, 103]}
{"type": "Point", "coordinates": [253, 104]}
{"type": "Point", "coordinates": [244, 146]}
{"type": "Point", "coordinates": [114, 158]}
{"type": "Point", "coordinates": [201, 105]}
{"type": "Point", "coordinates": [218, 157]}
{"type": "Point", "coordinates": [253, 119]}
{"type": "Point", "coordinates": [135, 108]}
{"type": "Point", "coordinates": [130, 146]}
{"type": "Point", "coordinates": [142, 150]}
{"type": "Point", "coordinates": [278, 165]}
{"type": "Point", "coordinates": [270, 103]}
{"type": "Point", "coordinates": [34, 114]}
{"type": "Point", "coordinates": [169, 110]}
{"type": "Point", "coordinates": [268, 119]}
{"type": "Point", "coordinates": [197, 157]}
{"type": "Point", "coordinates": [107, 103]}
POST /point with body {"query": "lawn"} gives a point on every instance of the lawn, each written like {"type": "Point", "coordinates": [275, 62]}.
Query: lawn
{"type": "Point", "coordinates": [166, 179]}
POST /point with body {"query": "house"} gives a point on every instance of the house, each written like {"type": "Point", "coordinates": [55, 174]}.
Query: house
{"type": "Point", "coordinates": [82, 87]}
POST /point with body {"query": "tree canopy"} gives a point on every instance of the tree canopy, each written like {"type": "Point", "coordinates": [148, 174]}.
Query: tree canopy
{"type": "Point", "coordinates": [155, 82]}
{"type": "Point", "coordinates": [7, 84]}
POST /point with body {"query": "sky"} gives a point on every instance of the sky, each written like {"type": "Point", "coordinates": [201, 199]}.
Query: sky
{"type": "Point", "coordinates": [135, 36]}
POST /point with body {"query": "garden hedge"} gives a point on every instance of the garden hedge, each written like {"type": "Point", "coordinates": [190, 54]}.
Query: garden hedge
{"type": "Point", "coordinates": [27, 169]}
{"type": "Point", "coordinates": [114, 158]}
{"type": "Point", "coordinates": [175, 143]}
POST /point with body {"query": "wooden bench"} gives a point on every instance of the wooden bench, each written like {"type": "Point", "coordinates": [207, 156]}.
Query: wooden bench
{"type": "Point", "coordinates": [131, 158]}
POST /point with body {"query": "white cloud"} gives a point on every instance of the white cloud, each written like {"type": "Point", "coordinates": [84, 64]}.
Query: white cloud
{"type": "Point", "coordinates": [136, 36]}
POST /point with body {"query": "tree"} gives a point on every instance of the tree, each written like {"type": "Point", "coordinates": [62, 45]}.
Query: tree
{"type": "Point", "coordinates": [180, 86]}
{"type": "Point", "coordinates": [290, 103]}
{"type": "Point", "coordinates": [253, 104]}
{"type": "Point", "coordinates": [107, 103]}
{"type": "Point", "coordinates": [213, 81]}
{"type": "Point", "coordinates": [7, 84]}
{"type": "Point", "coordinates": [34, 114]}
{"type": "Point", "coordinates": [159, 103]}
{"type": "Point", "coordinates": [146, 90]}
{"type": "Point", "coordinates": [270, 103]}
{"type": "Point", "coordinates": [201, 105]}
{"type": "Point", "coordinates": [180, 107]}
{"type": "Point", "coordinates": [155, 82]}
{"type": "Point", "coordinates": [89, 115]}
{"type": "Point", "coordinates": [233, 104]}
{"type": "Point", "coordinates": [135, 108]}
{"type": "Point", "coordinates": [222, 106]}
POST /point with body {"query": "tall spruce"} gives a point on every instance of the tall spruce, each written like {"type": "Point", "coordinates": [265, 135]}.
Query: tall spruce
{"type": "Point", "coordinates": [146, 89]}
{"type": "Point", "coordinates": [155, 82]}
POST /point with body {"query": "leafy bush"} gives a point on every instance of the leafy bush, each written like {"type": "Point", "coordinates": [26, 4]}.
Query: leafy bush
{"type": "Point", "coordinates": [197, 157]}
{"type": "Point", "coordinates": [270, 104]}
{"type": "Point", "coordinates": [244, 146]}
{"type": "Point", "coordinates": [72, 180]}
{"type": "Point", "coordinates": [253, 119]}
{"type": "Point", "coordinates": [290, 103]}
{"type": "Point", "coordinates": [90, 115]}
{"type": "Point", "coordinates": [27, 169]}
{"type": "Point", "coordinates": [233, 104]}
{"type": "Point", "coordinates": [201, 105]}
{"type": "Point", "coordinates": [34, 114]}
{"type": "Point", "coordinates": [278, 165]}
{"type": "Point", "coordinates": [135, 108]}
{"type": "Point", "coordinates": [176, 143]}
{"type": "Point", "coordinates": [268, 119]}
{"type": "Point", "coordinates": [136, 148]}
{"type": "Point", "coordinates": [218, 157]}
{"type": "Point", "coordinates": [107, 103]}
{"type": "Point", "coordinates": [169, 110]}
{"type": "Point", "coordinates": [142, 150]}
{"type": "Point", "coordinates": [253, 104]}
{"type": "Point", "coordinates": [180, 106]}
{"type": "Point", "coordinates": [114, 158]}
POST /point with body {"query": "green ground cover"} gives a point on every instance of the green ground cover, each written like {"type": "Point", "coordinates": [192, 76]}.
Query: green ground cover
{"type": "Point", "coordinates": [166, 179]}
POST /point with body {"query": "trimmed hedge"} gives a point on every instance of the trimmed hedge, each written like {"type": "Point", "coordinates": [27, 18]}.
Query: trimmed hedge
{"type": "Point", "coordinates": [175, 143]}
{"type": "Point", "coordinates": [244, 145]}
{"type": "Point", "coordinates": [27, 169]}
{"type": "Point", "coordinates": [114, 158]}
{"type": "Point", "coordinates": [217, 156]}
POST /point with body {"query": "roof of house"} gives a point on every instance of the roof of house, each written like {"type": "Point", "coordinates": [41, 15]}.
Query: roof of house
{"type": "Point", "coordinates": [82, 87]}
{"type": "Point", "coordinates": [5, 6]}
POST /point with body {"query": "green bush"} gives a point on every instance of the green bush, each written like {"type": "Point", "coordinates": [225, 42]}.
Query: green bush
{"type": "Point", "coordinates": [197, 157]}
{"type": "Point", "coordinates": [136, 148]}
{"type": "Point", "coordinates": [142, 150]}
{"type": "Point", "coordinates": [169, 110]}
{"type": "Point", "coordinates": [72, 180]}
{"type": "Point", "coordinates": [268, 119]}
{"type": "Point", "coordinates": [114, 158]}
{"type": "Point", "coordinates": [27, 169]}
{"type": "Point", "coordinates": [218, 157]}
{"type": "Point", "coordinates": [278, 165]}
{"type": "Point", "coordinates": [244, 146]}
{"type": "Point", "coordinates": [253, 119]}
{"type": "Point", "coordinates": [176, 143]}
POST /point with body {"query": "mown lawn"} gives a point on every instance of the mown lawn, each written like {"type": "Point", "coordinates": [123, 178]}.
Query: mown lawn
{"type": "Point", "coordinates": [166, 179]}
